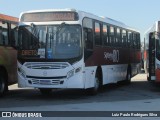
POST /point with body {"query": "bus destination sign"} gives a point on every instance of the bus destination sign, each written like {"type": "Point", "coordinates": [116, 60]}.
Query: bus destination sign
{"type": "Point", "coordinates": [49, 16]}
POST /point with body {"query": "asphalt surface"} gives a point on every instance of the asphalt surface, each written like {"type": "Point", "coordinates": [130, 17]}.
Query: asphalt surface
{"type": "Point", "coordinates": [140, 95]}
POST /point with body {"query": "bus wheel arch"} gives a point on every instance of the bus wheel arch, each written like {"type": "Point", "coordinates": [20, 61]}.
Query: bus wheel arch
{"type": "Point", "coordinates": [98, 82]}
{"type": "Point", "coordinates": [3, 81]}
{"type": "Point", "coordinates": [129, 74]}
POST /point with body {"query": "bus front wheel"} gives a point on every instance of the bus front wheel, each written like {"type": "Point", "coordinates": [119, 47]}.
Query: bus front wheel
{"type": "Point", "coordinates": [128, 77]}
{"type": "Point", "coordinates": [97, 83]}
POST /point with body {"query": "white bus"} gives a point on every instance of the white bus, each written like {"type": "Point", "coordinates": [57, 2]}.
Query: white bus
{"type": "Point", "coordinates": [152, 52]}
{"type": "Point", "coordinates": [66, 48]}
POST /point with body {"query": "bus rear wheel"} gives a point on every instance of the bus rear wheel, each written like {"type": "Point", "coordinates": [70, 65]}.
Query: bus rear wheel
{"type": "Point", "coordinates": [128, 77]}
{"type": "Point", "coordinates": [3, 84]}
{"type": "Point", "coordinates": [45, 91]}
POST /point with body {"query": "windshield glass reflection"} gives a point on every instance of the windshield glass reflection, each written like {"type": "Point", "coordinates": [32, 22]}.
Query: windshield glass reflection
{"type": "Point", "coordinates": [50, 41]}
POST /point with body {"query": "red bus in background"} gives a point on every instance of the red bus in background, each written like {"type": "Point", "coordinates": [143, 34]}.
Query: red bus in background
{"type": "Point", "coordinates": [8, 53]}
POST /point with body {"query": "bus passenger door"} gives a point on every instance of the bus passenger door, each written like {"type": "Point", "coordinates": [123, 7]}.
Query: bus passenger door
{"type": "Point", "coordinates": [151, 69]}
{"type": "Point", "coordinates": [88, 51]}
{"type": "Point", "coordinates": [88, 43]}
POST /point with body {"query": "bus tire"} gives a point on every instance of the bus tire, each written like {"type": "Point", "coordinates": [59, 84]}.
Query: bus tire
{"type": "Point", "coordinates": [127, 79]}
{"type": "Point", "coordinates": [45, 91]}
{"type": "Point", "coordinates": [3, 84]}
{"type": "Point", "coordinates": [128, 76]}
{"type": "Point", "coordinates": [148, 78]}
{"type": "Point", "coordinates": [97, 82]}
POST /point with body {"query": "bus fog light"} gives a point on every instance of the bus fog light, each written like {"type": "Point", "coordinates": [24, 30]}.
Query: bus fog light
{"type": "Point", "coordinates": [78, 70]}
{"type": "Point", "coordinates": [61, 82]}
{"type": "Point", "coordinates": [70, 74]}
{"type": "Point", "coordinates": [29, 81]}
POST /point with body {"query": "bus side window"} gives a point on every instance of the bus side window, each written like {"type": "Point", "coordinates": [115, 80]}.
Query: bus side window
{"type": "Point", "coordinates": [138, 40]}
{"type": "Point", "coordinates": [134, 41]}
{"type": "Point", "coordinates": [5, 38]}
{"type": "Point", "coordinates": [97, 34]}
{"type": "Point", "coordinates": [105, 35]}
{"type": "Point", "coordinates": [118, 36]}
{"type": "Point", "coordinates": [124, 38]}
{"type": "Point", "coordinates": [112, 34]}
{"type": "Point", "coordinates": [129, 38]}
{"type": "Point", "coordinates": [1, 36]}
{"type": "Point", "coordinates": [120, 39]}
{"type": "Point", "coordinates": [88, 38]}
{"type": "Point", "coordinates": [1, 42]}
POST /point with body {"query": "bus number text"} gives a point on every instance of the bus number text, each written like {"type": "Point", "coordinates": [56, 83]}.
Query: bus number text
{"type": "Point", "coordinates": [114, 56]}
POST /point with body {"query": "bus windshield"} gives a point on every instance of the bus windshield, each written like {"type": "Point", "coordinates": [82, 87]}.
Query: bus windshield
{"type": "Point", "coordinates": [50, 41]}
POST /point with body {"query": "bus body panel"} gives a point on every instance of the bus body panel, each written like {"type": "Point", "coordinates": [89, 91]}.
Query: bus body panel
{"type": "Point", "coordinates": [90, 72]}
{"type": "Point", "coordinates": [8, 60]}
{"type": "Point", "coordinates": [157, 71]}
{"type": "Point", "coordinates": [114, 73]}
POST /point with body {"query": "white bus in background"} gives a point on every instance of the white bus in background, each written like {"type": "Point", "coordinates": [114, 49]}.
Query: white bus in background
{"type": "Point", "coordinates": [152, 53]}
{"type": "Point", "coordinates": [66, 48]}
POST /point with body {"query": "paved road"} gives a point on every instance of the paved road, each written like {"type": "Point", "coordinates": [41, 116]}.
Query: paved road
{"type": "Point", "coordinates": [140, 95]}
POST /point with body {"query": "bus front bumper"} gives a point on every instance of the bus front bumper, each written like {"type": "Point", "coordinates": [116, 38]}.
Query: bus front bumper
{"type": "Point", "coordinates": [76, 81]}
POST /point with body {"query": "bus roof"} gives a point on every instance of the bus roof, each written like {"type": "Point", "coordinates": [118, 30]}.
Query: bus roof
{"type": "Point", "coordinates": [8, 18]}
{"type": "Point", "coordinates": [109, 21]}
{"type": "Point", "coordinates": [83, 14]}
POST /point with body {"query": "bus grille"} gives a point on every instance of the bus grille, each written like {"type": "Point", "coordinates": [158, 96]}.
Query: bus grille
{"type": "Point", "coordinates": [46, 65]}
{"type": "Point", "coordinates": [45, 82]}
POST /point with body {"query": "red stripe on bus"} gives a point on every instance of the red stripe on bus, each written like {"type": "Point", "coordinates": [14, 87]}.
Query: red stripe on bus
{"type": "Point", "coordinates": [157, 75]}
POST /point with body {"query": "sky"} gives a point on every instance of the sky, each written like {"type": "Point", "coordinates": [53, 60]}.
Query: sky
{"type": "Point", "coordinates": [139, 14]}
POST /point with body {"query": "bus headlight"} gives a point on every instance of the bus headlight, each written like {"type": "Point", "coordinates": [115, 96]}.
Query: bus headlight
{"type": "Point", "coordinates": [70, 73]}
